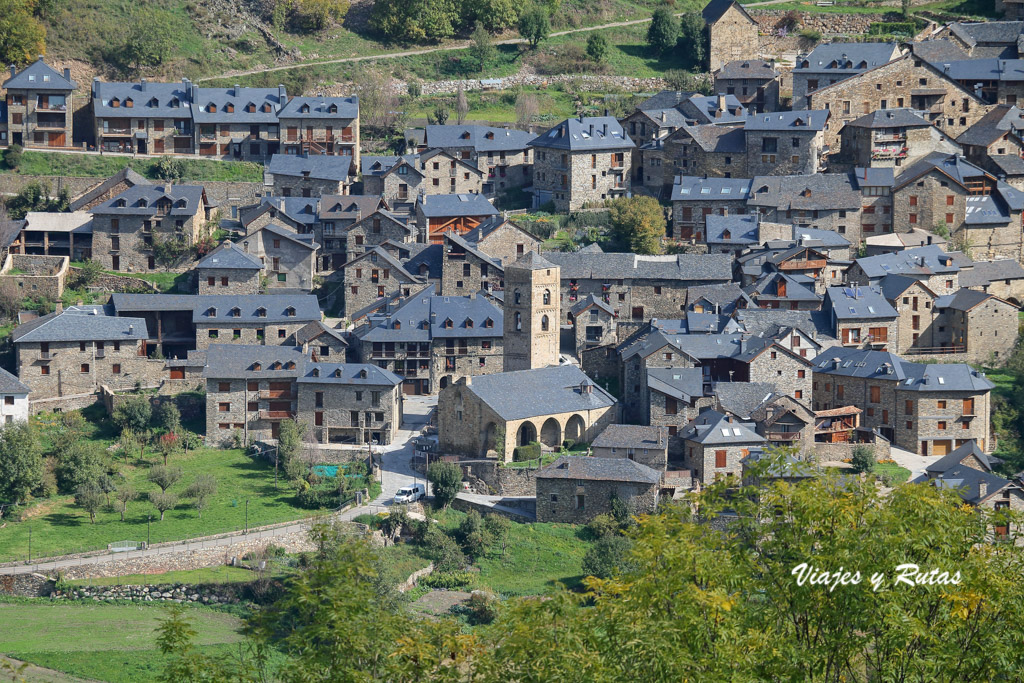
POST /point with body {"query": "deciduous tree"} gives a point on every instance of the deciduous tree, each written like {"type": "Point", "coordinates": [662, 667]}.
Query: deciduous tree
{"type": "Point", "coordinates": [534, 25]}
{"type": "Point", "coordinates": [200, 491]}
{"type": "Point", "coordinates": [134, 413]}
{"type": "Point", "coordinates": [164, 477]}
{"type": "Point", "coordinates": [125, 494]}
{"type": "Point", "coordinates": [692, 42]}
{"type": "Point", "coordinates": [446, 478]}
{"type": "Point", "coordinates": [89, 497]}
{"type": "Point", "coordinates": [163, 501]}
{"type": "Point", "coordinates": [638, 223]}
{"type": "Point", "coordinates": [21, 462]}
{"type": "Point", "coordinates": [663, 32]}
{"type": "Point", "coordinates": [22, 36]}
{"type": "Point", "coordinates": [461, 106]}
{"type": "Point", "coordinates": [481, 47]}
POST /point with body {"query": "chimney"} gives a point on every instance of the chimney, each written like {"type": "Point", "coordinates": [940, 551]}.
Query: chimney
{"type": "Point", "coordinates": [945, 68]}
{"type": "Point", "coordinates": [282, 94]}
{"type": "Point", "coordinates": [469, 380]}
{"type": "Point", "coordinates": [67, 73]}
{"type": "Point", "coordinates": [14, 71]}
{"type": "Point", "coordinates": [227, 244]}
{"type": "Point", "coordinates": [235, 90]}
{"type": "Point", "coordinates": [729, 418]}
{"type": "Point", "coordinates": [40, 58]}
{"type": "Point", "coordinates": [59, 306]}
{"type": "Point", "coordinates": [142, 84]}
{"type": "Point", "coordinates": [663, 117]}
{"type": "Point", "coordinates": [433, 317]}
{"type": "Point", "coordinates": [982, 489]}
{"type": "Point", "coordinates": [721, 102]}
{"type": "Point", "coordinates": [604, 129]}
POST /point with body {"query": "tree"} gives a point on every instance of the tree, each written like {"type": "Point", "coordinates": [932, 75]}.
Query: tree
{"type": "Point", "coordinates": [481, 48]}
{"type": "Point", "coordinates": [498, 528]}
{"type": "Point", "coordinates": [87, 273]}
{"type": "Point", "coordinates": [663, 32]}
{"type": "Point", "coordinates": [22, 36]}
{"type": "Point", "coordinates": [534, 25]}
{"type": "Point", "coordinates": [862, 459]}
{"type": "Point", "coordinates": [441, 113]}
{"type": "Point", "coordinates": [164, 477]}
{"type": "Point", "coordinates": [289, 439]}
{"type": "Point", "coordinates": [129, 440]}
{"type": "Point", "coordinates": [90, 498]}
{"type": "Point", "coordinates": [692, 42]}
{"type": "Point", "coordinates": [149, 40]}
{"type": "Point", "coordinates": [317, 15]}
{"type": "Point", "coordinates": [379, 104]}
{"type": "Point", "coordinates": [527, 109]}
{"type": "Point", "coordinates": [21, 462]}
{"type": "Point", "coordinates": [167, 417]}
{"type": "Point", "coordinates": [607, 557]}
{"type": "Point", "coordinates": [36, 197]}
{"type": "Point", "coordinates": [200, 491]}
{"type": "Point", "coordinates": [446, 478]}
{"type": "Point", "coordinates": [125, 494]}
{"type": "Point", "coordinates": [461, 106]}
{"type": "Point", "coordinates": [107, 485]}
{"type": "Point", "coordinates": [134, 413]}
{"type": "Point", "coordinates": [80, 463]}
{"type": "Point", "coordinates": [163, 501]}
{"type": "Point", "coordinates": [597, 47]}
{"type": "Point", "coordinates": [415, 20]}
{"type": "Point", "coordinates": [498, 15]}
{"type": "Point", "coordinates": [168, 444]}
{"type": "Point", "coordinates": [13, 156]}
{"type": "Point", "coordinates": [638, 223]}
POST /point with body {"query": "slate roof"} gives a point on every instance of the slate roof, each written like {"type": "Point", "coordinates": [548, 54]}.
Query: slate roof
{"type": "Point", "coordinates": [302, 239]}
{"type": "Point", "coordinates": [487, 227]}
{"type": "Point", "coordinates": [680, 383]}
{"type": "Point", "coordinates": [422, 317]}
{"type": "Point", "coordinates": [788, 120]}
{"type": "Point", "coordinates": [319, 166]}
{"type": "Point", "coordinates": [125, 175]}
{"type": "Point", "coordinates": [992, 69]}
{"type": "Point", "coordinates": [797, 289]}
{"type": "Point", "coordinates": [149, 99]}
{"type": "Point", "coordinates": [668, 117]}
{"type": "Point", "coordinates": [481, 138]}
{"type": "Point", "coordinates": [666, 99]}
{"type": "Point", "coordinates": [918, 262]}
{"type": "Point", "coordinates": [774, 323]}
{"type": "Point", "coordinates": [827, 191]}
{"type": "Point", "coordinates": [694, 188]}
{"type": "Point", "coordinates": [986, 210]}
{"type": "Point", "coordinates": [348, 373]}
{"type": "Point", "coordinates": [230, 257]}
{"type": "Point", "coordinates": [956, 457]}
{"type": "Point", "coordinates": [592, 248]}
{"type": "Point", "coordinates": [306, 306]}
{"type": "Point", "coordinates": [924, 377]}
{"type": "Point", "coordinates": [236, 361]}
{"type": "Point", "coordinates": [718, 139]}
{"type": "Point", "coordinates": [991, 32]}
{"type": "Point", "coordinates": [80, 323]}
{"type": "Point", "coordinates": [631, 436]}
{"type": "Point", "coordinates": [1008, 164]}
{"type": "Point", "coordinates": [680, 267]}
{"type": "Point", "coordinates": [716, 9]}
{"type": "Point", "coordinates": [963, 299]}
{"type": "Point", "coordinates": [314, 330]}
{"type": "Point", "coordinates": [447, 205]}
{"type": "Point", "coordinates": [348, 206]}
{"type": "Point", "coordinates": [9, 384]}
{"type": "Point", "coordinates": [742, 398]}
{"type": "Point", "coordinates": [967, 482]}
{"type": "Point", "coordinates": [240, 98]}
{"type": "Point", "coordinates": [51, 221]}
{"type": "Point", "coordinates": [706, 109]}
{"type": "Point", "coordinates": [432, 257]}
{"type": "Point", "coordinates": [724, 295]}
{"type": "Point", "coordinates": [846, 59]}
{"type": "Point", "coordinates": [587, 133]}
{"type": "Point", "coordinates": [890, 118]}
{"type": "Point", "coordinates": [301, 210]}
{"type": "Point", "coordinates": [542, 391]}
{"type": "Point", "coordinates": [396, 266]}
{"type": "Point", "coordinates": [858, 303]}
{"type": "Point", "coordinates": [985, 272]}
{"type": "Point", "coordinates": [893, 286]}
{"type": "Point", "coordinates": [134, 197]}
{"type": "Point", "coordinates": [993, 125]}
{"type": "Point", "coordinates": [380, 165]}
{"type": "Point", "coordinates": [39, 76]}
{"type": "Point", "coordinates": [711, 427]}
{"type": "Point", "coordinates": [531, 260]}
{"type": "Point", "coordinates": [742, 229]}
{"type": "Point", "coordinates": [319, 108]}
{"type": "Point", "coordinates": [874, 177]}
{"type": "Point", "coordinates": [820, 238]}
{"type": "Point", "coordinates": [599, 469]}
{"type": "Point", "coordinates": [588, 301]}
{"type": "Point", "coordinates": [747, 68]}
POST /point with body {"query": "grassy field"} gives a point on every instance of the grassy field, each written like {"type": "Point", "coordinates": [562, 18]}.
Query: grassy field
{"type": "Point", "coordinates": [112, 643]}
{"type": "Point", "coordinates": [91, 165]}
{"type": "Point", "coordinates": [896, 473]}
{"type": "Point", "coordinates": [225, 574]}
{"type": "Point", "coordinates": [59, 527]}
{"type": "Point", "coordinates": [167, 282]}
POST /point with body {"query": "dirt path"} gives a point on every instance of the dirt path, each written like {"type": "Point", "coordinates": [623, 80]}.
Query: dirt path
{"type": "Point", "coordinates": [37, 674]}
{"type": "Point", "coordinates": [461, 45]}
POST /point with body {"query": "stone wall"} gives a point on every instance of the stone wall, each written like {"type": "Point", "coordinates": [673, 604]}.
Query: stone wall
{"type": "Point", "coordinates": [41, 276]}
{"type": "Point", "coordinates": [118, 283]}
{"type": "Point", "coordinates": [826, 23]}
{"type": "Point", "coordinates": [177, 593]}
{"type": "Point", "coordinates": [26, 585]}
{"type": "Point", "coordinates": [837, 452]}
{"type": "Point", "coordinates": [503, 481]}
{"type": "Point", "coordinates": [190, 405]}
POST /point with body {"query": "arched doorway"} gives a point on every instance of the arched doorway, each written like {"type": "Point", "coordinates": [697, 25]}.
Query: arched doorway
{"type": "Point", "coordinates": [575, 429]}
{"type": "Point", "coordinates": [490, 436]}
{"type": "Point", "coordinates": [527, 434]}
{"type": "Point", "coordinates": [551, 433]}
{"type": "Point", "coordinates": [445, 381]}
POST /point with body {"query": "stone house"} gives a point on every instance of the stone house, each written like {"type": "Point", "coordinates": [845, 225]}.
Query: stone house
{"type": "Point", "coordinates": [499, 412]}
{"type": "Point", "coordinates": [754, 82]}
{"type": "Point", "coordinates": [373, 275]}
{"type": "Point", "coordinates": [862, 318]}
{"type": "Point", "coordinates": [250, 390]}
{"type": "Point", "coordinates": [980, 326]}
{"type": "Point", "coordinates": [833, 63]}
{"type": "Point", "coordinates": [785, 422]}
{"type": "Point", "coordinates": [467, 270]}
{"type": "Point", "coordinates": [238, 123]}
{"type": "Point", "coordinates": [675, 397]}
{"type": "Point", "coordinates": [14, 395]}
{"type": "Point", "coordinates": [502, 240]}
{"type": "Point", "coordinates": [994, 80]}
{"type": "Point", "coordinates": [301, 214]}
{"type": "Point", "coordinates": [302, 175]}
{"type": "Point", "coordinates": [321, 125]}
{"type": "Point", "coordinates": [637, 287]}
{"type": "Point", "coordinates": [433, 341]}
{"type": "Point", "coordinates": [731, 32]}
{"type": "Point", "coordinates": [947, 104]}
{"type": "Point", "coordinates": [126, 229]}
{"type": "Point", "coordinates": [401, 180]}
{"type": "Point", "coordinates": [459, 213]}
{"type": "Point", "coordinates": [824, 201]}
{"type": "Point", "coordinates": [1003, 278]}
{"type": "Point", "coordinates": [80, 349]}
{"type": "Point", "coordinates": [288, 258]}
{"type": "Point", "coordinates": [322, 342]}
{"type": "Point", "coordinates": [646, 125]}
{"type": "Point", "coordinates": [593, 324]}
{"type": "Point", "coordinates": [890, 138]}
{"type": "Point", "coordinates": [917, 328]}
{"type": "Point", "coordinates": [229, 270]}
{"type": "Point", "coordinates": [714, 444]}
{"type": "Point", "coordinates": [179, 323]}
{"type": "Point", "coordinates": [937, 269]}
{"type": "Point", "coordinates": [335, 215]}
{"type": "Point", "coordinates": [709, 150]}
{"type": "Point", "coordinates": [994, 136]}
{"type": "Point", "coordinates": [645, 445]}
{"type": "Point", "coordinates": [782, 290]}
{"type": "Point", "coordinates": [105, 189]}
{"type": "Point", "coordinates": [981, 38]}
{"type": "Point", "coordinates": [575, 489]}
{"type": "Point", "coordinates": [143, 117]}
{"type": "Point", "coordinates": [39, 107]}
{"type": "Point", "coordinates": [532, 311]}
{"type": "Point", "coordinates": [695, 198]}
{"type": "Point", "coordinates": [372, 230]}
{"type": "Point", "coordinates": [581, 161]}
{"type": "Point", "coordinates": [41, 277]}
{"type": "Point", "coordinates": [731, 234]}
{"type": "Point", "coordinates": [928, 409]}
{"type": "Point", "coordinates": [501, 154]}
{"type": "Point", "coordinates": [783, 143]}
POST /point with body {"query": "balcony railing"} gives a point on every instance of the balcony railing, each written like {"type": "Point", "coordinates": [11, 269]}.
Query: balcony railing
{"type": "Point", "coordinates": [51, 107]}
{"type": "Point", "coordinates": [117, 131]}
{"type": "Point", "coordinates": [278, 394]}
{"type": "Point", "coordinates": [207, 136]}
{"type": "Point", "coordinates": [276, 414]}
{"type": "Point", "coordinates": [784, 436]}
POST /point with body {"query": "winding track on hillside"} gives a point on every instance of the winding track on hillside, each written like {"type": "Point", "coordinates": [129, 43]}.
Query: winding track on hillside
{"type": "Point", "coordinates": [461, 45]}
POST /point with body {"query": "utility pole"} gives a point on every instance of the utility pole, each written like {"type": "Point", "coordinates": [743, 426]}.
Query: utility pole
{"type": "Point", "coordinates": [149, 524]}
{"type": "Point", "coordinates": [30, 544]}
{"type": "Point", "coordinates": [247, 515]}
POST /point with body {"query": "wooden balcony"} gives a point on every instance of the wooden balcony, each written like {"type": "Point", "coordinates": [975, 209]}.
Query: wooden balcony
{"type": "Point", "coordinates": [285, 395]}
{"type": "Point", "coordinates": [784, 436]}
{"type": "Point", "coordinates": [276, 414]}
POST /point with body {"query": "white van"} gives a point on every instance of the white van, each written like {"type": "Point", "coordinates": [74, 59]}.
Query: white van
{"type": "Point", "coordinates": [408, 494]}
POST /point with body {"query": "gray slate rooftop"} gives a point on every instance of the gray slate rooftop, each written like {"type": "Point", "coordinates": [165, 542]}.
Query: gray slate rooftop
{"type": "Point", "coordinates": [599, 469]}
{"type": "Point", "coordinates": [754, 69]}
{"type": "Point", "coordinates": [80, 323]}
{"type": "Point", "coordinates": [275, 306]}
{"type": "Point", "coordinates": [631, 436]}
{"type": "Point", "coordinates": [141, 200]}
{"type": "Point", "coordinates": [697, 268]}
{"type": "Point", "coordinates": [481, 138]}
{"type": "Point", "coordinates": [321, 108]}
{"type": "Point", "coordinates": [39, 76]}
{"type": "Point", "coordinates": [788, 120]}
{"type": "Point", "coordinates": [424, 317]}
{"type": "Point", "coordinates": [318, 166]}
{"type": "Point", "coordinates": [168, 100]}
{"type": "Point", "coordinates": [229, 257]}
{"type": "Point", "coordinates": [846, 58]}
{"type": "Point", "coordinates": [206, 99]}
{"type": "Point", "coordinates": [448, 205]}
{"type": "Point", "coordinates": [858, 303]}
{"type": "Point", "coordinates": [588, 133]}
{"type": "Point", "coordinates": [882, 365]}
{"type": "Point", "coordinates": [543, 391]}
{"type": "Point", "coordinates": [712, 428]}
{"type": "Point", "coordinates": [694, 188]}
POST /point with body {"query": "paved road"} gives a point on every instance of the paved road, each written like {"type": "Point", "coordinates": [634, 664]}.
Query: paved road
{"type": "Point", "coordinates": [396, 473]}
{"type": "Point", "coordinates": [460, 45]}
{"type": "Point", "coordinates": [912, 461]}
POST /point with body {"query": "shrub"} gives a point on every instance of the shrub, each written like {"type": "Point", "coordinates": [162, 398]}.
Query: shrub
{"type": "Point", "coordinates": [13, 156]}
{"type": "Point", "coordinates": [608, 557]}
{"type": "Point", "coordinates": [564, 59]}
{"type": "Point", "coordinates": [482, 608]}
{"type": "Point", "coordinates": [446, 478]}
{"type": "Point", "coordinates": [135, 413]}
{"type": "Point", "coordinates": [530, 451]}
{"type": "Point", "coordinates": [810, 34]}
{"type": "Point", "coordinates": [601, 526]}
{"type": "Point", "coordinates": [87, 274]}
{"type": "Point", "coordinates": [863, 459]}
{"type": "Point", "coordinates": [447, 580]}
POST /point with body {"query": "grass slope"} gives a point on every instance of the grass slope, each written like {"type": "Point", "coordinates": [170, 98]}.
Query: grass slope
{"type": "Point", "coordinates": [224, 574]}
{"type": "Point", "coordinates": [95, 166]}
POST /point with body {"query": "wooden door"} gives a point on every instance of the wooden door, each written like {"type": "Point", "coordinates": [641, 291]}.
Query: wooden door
{"type": "Point", "coordinates": [280, 390]}
{"type": "Point", "coordinates": [177, 373]}
{"type": "Point", "coordinates": [158, 146]}
{"type": "Point", "coordinates": [57, 139]}
{"type": "Point", "coordinates": [940, 448]}
{"type": "Point", "coordinates": [275, 430]}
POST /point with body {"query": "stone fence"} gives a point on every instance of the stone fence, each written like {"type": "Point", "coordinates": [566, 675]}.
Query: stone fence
{"type": "Point", "coordinates": [489, 478]}
{"type": "Point", "coordinates": [206, 594]}
{"type": "Point", "coordinates": [415, 577]}
{"type": "Point", "coordinates": [26, 585]}
{"type": "Point", "coordinates": [769, 22]}
{"type": "Point", "coordinates": [837, 452]}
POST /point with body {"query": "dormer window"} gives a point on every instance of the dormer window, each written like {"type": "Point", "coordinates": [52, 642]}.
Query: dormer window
{"type": "Point", "coordinates": [362, 374]}
{"type": "Point", "coordinates": [337, 372]}
{"type": "Point", "coordinates": [465, 135]}
{"type": "Point", "coordinates": [181, 203]}
{"type": "Point", "coordinates": [290, 311]}
{"type": "Point", "coordinates": [211, 312]}
{"type": "Point", "coordinates": [121, 203]}
{"type": "Point", "coordinates": [261, 312]}
{"type": "Point", "coordinates": [276, 365]}
{"type": "Point", "coordinates": [266, 107]}
{"type": "Point", "coordinates": [290, 365]}
{"type": "Point", "coordinates": [304, 109]}
{"type": "Point", "coordinates": [397, 325]}
{"type": "Point", "coordinates": [153, 103]}
{"type": "Point", "coordinates": [235, 312]}
{"type": "Point", "coordinates": [489, 135]}
{"type": "Point", "coordinates": [211, 108]}
{"type": "Point", "coordinates": [316, 372]}
{"type": "Point", "coordinates": [333, 109]}
{"type": "Point", "coordinates": [256, 367]}
{"type": "Point", "coordinates": [250, 108]}
{"type": "Point", "coordinates": [469, 322]}
{"type": "Point", "coordinates": [488, 323]}
{"type": "Point", "coordinates": [115, 103]}
{"type": "Point", "coordinates": [143, 202]}
{"type": "Point", "coordinates": [448, 324]}
{"type": "Point", "coordinates": [129, 103]}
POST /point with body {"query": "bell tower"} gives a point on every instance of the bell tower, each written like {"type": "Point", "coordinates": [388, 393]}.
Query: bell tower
{"type": "Point", "coordinates": [532, 313]}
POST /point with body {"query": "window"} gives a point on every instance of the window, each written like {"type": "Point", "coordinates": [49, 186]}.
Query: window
{"type": "Point", "coordinates": [942, 424]}
{"type": "Point", "coordinates": [213, 334]}
{"type": "Point", "coordinates": [801, 374]}
{"type": "Point", "coordinates": [282, 333]}
{"type": "Point", "coordinates": [44, 369]}
{"type": "Point", "coordinates": [908, 407]}
{"type": "Point", "coordinates": [211, 281]}
{"type": "Point", "coordinates": [671, 407]}
{"type": "Point", "coordinates": [223, 407]}
{"type": "Point", "coordinates": [941, 405]}
{"type": "Point", "coordinates": [876, 394]}
{"type": "Point", "coordinates": [224, 386]}
{"type": "Point", "coordinates": [253, 406]}
{"type": "Point", "coordinates": [85, 367]}
{"type": "Point", "coordinates": [8, 400]}
{"type": "Point", "coordinates": [798, 394]}
{"type": "Point", "coordinates": [968, 407]}
{"type": "Point", "coordinates": [720, 459]}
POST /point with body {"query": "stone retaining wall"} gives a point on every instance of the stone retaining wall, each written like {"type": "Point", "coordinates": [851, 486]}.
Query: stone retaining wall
{"type": "Point", "coordinates": [836, 452]}
{"type": "Point", "coordinates": [191, 406]}
{"type": "Point", "coordinates": [502, 481]}
{"type": "Point", "coordinates": [176, 593]}
{"type": "Point", "coordinates": [826, 23]}
{"type": "Point", "coordinates": [26, 585]}
{"type": "Point", "coordinates": [415, 577]}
